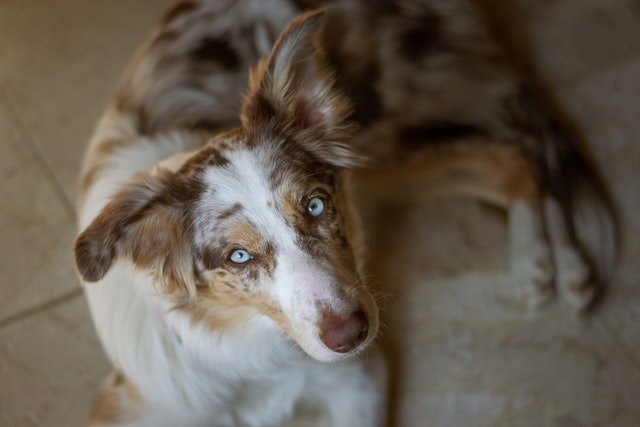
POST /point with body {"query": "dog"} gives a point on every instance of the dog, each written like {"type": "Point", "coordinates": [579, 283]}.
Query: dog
{"type": "Point", "coordinates": [219, 245]}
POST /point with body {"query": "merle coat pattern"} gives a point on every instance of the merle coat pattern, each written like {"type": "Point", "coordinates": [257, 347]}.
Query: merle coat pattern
{"type": "Point", "coordinates": [214, 202]}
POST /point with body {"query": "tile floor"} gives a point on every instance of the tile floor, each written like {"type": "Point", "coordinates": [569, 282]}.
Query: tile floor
{"type": "Point", "coordinates": [463, 352]}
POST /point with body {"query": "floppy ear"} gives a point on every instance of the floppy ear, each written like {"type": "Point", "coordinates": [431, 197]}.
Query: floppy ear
{"type": "Point", "coordinates": [143, 224]}
{"type": "Point", "coordinates": [293, 90]}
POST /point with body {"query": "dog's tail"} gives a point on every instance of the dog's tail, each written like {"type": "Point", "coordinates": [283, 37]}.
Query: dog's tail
{"type": "Point", "coordinates": [569, 176]}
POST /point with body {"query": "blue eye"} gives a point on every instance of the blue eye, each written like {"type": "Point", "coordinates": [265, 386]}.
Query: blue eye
{"type": "Point", "coordinates": [315, 207]}
{"type": "Point", "coordinates": [240, 256]}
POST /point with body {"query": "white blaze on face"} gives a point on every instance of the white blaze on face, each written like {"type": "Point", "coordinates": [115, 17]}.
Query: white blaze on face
{"type": "Point", "coordinates": [240, 182]}
{"type": "Point", "coordinates": [298, 286]}
{"type": "Point", "coordinates": [304, 293]}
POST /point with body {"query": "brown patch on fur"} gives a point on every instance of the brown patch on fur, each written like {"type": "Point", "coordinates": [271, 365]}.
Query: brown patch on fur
{"type": "Point", "coordinates": [491, 171]}
{"type": "Point", "coordinates": [419, 35]}
{"type": "Point", "coordinates": [326, 238]}
{"type": "Point", "coordinates": [224, 302]}
{"type": "Point", "coordinates": [213, 257]}
{"type": "Point", "coordinates": [118, 402]}
{"type": "Point", "coordinates": [234, 232]}
{"type": "Point", "coordinates": [212, 154]}
{"type": "Point", "coordinates": [100, 157]}
{"type": "Point", "coordinates": [309, 229]}
{"type": "Point", "coordinates": [212, 311]}
{"type": "Point", "coordinates": [146, 223]}
{"type": "Point", "coordinates": [164, 37]}
{"type": "Point", "coordinates": [290, 205]}
{"type": "Point", "coordinates": [310, 4]}
{"type": "Point", "coordinates": [245, 234]}
{"type": "Point", "coordinates": [413, 137]}
{"type": "Point", "coordinates": [216, 51]}
{"type": "Point", "coordinates": [307, 168]}
{"type": "Point", "coordinates": [178, 10]}
{"type": "Point", "coordinates": [232, 211]}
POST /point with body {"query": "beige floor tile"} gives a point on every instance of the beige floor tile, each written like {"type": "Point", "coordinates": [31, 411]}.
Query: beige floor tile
{"type": "Point", "coordinates": [59, 65]}
{"type": "Point", "coordinates": [35, 224]}
{"type": "Point", "coordinates": [546, 371]}
{"type": "Point", "coordinates": [51, 366]}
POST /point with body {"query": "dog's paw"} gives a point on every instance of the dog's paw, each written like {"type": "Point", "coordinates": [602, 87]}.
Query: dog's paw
{"type": "Point", "coordinates": [573, 278]}
{"type": "Point", "coordinates": [573, 275]}
{"type": "Point", "coordinates": [530, 254]}
{"type": "Point", "coordinates": [533, 272]}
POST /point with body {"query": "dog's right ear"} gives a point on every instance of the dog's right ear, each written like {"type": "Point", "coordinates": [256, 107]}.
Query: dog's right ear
{"type": "Point", "coordinates": [294, 91]}
{"type": "Point", "coordinates": [141, 222]}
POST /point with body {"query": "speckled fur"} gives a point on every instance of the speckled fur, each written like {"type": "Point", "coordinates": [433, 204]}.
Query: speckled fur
{"type": "Point", "coordinates": [198, 156]}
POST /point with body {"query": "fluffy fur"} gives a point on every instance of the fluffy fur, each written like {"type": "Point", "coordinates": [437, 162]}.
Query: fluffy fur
{"type": "Point", "coordinates": [218, 244]}
{"type": "Point", "coordinates": [444, 112]}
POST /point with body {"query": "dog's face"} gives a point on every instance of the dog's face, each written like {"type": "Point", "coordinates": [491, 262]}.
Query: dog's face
{"type": "Point", "coordinates": [257, 221]}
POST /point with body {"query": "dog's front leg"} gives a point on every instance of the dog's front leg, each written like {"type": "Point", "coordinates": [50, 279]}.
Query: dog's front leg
{"type": "Point", "coordinates": [495, 172]}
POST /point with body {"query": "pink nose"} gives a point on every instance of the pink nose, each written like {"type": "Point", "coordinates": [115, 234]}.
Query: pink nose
{"type": "Point", "coordinates": [341, 333]}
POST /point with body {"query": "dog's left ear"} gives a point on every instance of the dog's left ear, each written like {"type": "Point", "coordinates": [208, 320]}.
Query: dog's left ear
{"type": "Point", "coordinates": [142, 223]}
{"type": "Point", "coordinates": [293, 91]}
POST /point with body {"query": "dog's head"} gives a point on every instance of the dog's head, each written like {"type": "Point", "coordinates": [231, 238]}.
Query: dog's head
{"type": "Point", "coordinates": [256, 221]}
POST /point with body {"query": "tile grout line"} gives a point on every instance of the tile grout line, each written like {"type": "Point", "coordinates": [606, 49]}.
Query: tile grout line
{"type": "Point", "coordinates": [621, 343]}
{"type": "Point", "coordinates": [47, 305]}
{"type": "Point", "coordinates": [38, 155]}
{"type": "Point", "coordinates": [40, 160]}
